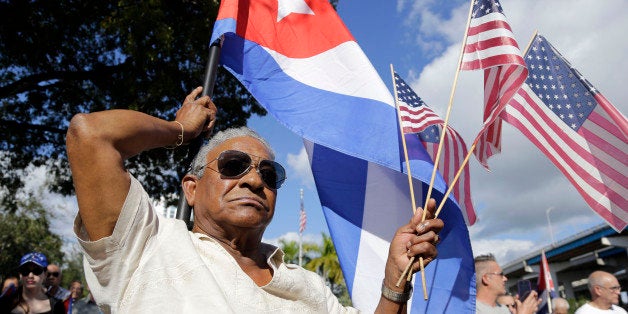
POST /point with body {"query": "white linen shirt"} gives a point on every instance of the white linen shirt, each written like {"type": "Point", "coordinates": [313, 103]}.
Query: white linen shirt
{"type": "Point", "coordinates": [152, 264]}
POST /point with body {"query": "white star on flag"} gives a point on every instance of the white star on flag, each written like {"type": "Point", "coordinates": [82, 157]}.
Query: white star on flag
{"type": "Point", "coordinates": [285, 7]}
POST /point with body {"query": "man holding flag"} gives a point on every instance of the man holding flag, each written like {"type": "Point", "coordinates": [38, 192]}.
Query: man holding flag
{"type": "Point", "coordinates": [301, 63]}
{"type": "Point", "coordinates": [221, 264]}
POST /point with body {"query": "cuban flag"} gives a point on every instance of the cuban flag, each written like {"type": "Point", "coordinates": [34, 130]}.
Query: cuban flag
{"type": "Point", "coordinates": [301, 63]}
{"type": "Point", "coordinates": [545, 284]}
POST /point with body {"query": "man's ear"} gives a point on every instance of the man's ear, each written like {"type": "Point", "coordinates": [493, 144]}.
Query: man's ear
{"type": "Point", "coordinates": [484, 280]}
{"type": "Point", "coordinates": [189, 188]}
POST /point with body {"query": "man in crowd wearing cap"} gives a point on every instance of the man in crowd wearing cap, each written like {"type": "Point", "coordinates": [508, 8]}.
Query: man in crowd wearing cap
{"type": "Point", "coordinates": [53, 282]}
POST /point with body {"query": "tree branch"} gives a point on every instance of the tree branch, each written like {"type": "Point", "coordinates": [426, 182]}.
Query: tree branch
{"type": "Point", "coordinates": [30, 127]}
{"type": "Point", "coordinates": [31, 82]}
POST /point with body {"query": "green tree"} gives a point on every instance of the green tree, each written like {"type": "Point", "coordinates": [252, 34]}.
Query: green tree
{"type": "Point", "coordinates": [59, 58]}
{"type": "Point", "coordinates": [73, 269]}
{"type": "Point", "coordinates": [26, 230]}
{"type": "Point", "coordinates": [328, 266]}
{"type": "Point", "coordinates": [291, 251]}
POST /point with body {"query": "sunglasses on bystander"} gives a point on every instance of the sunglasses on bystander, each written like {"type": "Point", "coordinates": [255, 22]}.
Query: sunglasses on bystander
{"type": "Point", "coordinates": [36, 270]}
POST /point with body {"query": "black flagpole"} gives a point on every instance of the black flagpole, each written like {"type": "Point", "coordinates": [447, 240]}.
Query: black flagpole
{"type": "Point", "coordinates": [183, 209]}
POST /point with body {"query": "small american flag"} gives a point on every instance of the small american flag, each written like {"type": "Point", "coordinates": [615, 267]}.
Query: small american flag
{"type": "Point", "coordinates": [580, 131]}
{"type": "Point", "coordinates": [491, 45]}
{"type": "Point", "coordinates": [302, 216]}
{"type": "Point", "coordinates": [418, 118]}
{"type": "Point", "coordinates": [302, 221]}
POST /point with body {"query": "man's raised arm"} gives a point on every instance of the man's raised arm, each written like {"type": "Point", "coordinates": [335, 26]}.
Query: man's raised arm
{"type": "Point", "coordinates": [99, 142]}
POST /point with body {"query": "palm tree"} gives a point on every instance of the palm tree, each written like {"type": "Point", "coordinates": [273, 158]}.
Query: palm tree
{"type": "Point", "coordinates": [291, 251]}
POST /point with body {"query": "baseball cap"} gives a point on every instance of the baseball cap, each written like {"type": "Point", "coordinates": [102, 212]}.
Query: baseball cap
{"type": "Point", "coordinates": [35, 258]}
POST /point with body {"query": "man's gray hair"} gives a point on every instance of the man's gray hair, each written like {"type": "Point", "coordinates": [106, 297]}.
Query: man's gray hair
{"type": "Point", "coordinates": [480, 265]}
{"type": "Point", "coordinates": [198, 165]}
{"type": "Point", "coordinates": [559, 303]}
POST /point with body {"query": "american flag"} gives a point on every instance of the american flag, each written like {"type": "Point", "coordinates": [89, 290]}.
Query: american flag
{"type": "Point", "coordinates": [490, 45]}
{"type": "Point", "coordinates": [302, 221]}
{"type": "Point", "coordinates": [302, 216]}
{"type": "Point", "coordinates": [417, 118]}
{"type": "Point", "coordinates": [576, 128]}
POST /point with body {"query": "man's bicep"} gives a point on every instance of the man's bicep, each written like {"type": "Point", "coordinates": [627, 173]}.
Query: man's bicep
{"type": "Point", "coordinates": [100, 180]}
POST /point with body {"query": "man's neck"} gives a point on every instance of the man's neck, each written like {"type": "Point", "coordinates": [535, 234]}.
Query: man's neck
{"type": "Point", "coordinates": [486, 298]}
{"type": "Point", "coordinates": [601, 304]}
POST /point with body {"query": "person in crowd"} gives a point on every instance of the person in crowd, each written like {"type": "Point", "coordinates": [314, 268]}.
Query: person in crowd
{"type": "Point", "coordinates": [508, 301]}
{"type": "Point", "coordinates": [53, 282]}
{"type": "Point", "coordinates": [491, 283]}
{"type": "Point", "coordinates": [76, 292]}
{"type": "Point", "coordinates": [86, 305]}
{"type": "Point", "coordinates": [222, 263]}
{"type": "Point", "coordinates": [560, 306]}
{"type": "Point", "coordinates": [604, 289]}
{"type": "Point", "coordinates": [9, 296]}
{"type": "Point", "coordinates": [32, 297]}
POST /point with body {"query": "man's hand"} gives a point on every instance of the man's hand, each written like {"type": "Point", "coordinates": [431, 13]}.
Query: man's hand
{"type": "Point", "coordinates": [417, 239]}
{"type": "Point", "coordinates": [530, 305]}
{"type": "Point", "coordinates": [197, 116]}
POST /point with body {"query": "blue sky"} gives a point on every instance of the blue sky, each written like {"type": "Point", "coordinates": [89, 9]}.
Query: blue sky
{"type": "Point", "coordinates": [422, 39]}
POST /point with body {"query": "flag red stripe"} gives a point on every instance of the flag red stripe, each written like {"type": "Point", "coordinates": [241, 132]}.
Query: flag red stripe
{"type": "Point", "coordinates": [604, 145]}
{"type": "Point", "coordinates": [619, 121]}
{"type": "Point", "coordinates": [604, 123]}
{"type": "Point", "coordinates": [412, 114]}
{"type": "Point", "coordinates": [490, 25]}
{"type": "Point", "coordinates": [490, 43]}
{"type": "Point", "coordinates": [420, 119]}
{"type": "Point", "coordinates": [491, 61]}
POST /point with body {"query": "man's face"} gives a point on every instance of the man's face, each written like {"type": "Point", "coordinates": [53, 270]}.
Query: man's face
{"type": "Point", "coordinates": [244, 202]}
{"type": "Point", "coordinates": [561, 310]}
{"type": "Point", "coordinates": [76, 288]}
{"type": "Point", "coordinates": [495, 278]}
{"type": "Point", "coordinates": [54, 275]}
{"type": "Point", "coordinates": [609, 290]}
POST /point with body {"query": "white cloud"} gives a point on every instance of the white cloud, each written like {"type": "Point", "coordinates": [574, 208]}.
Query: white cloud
{"type": "Point", "coordinates": [504, 250]}
{"type": "Point", "coordinates": [300, 167]}
{"type": "Point", "coordinates": [62, 209]}
{"type": "Point", "coordinates": [293, 236]}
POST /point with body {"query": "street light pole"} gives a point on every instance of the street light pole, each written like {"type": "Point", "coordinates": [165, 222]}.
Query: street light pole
{"type": "Point", "coordinates": [549, 224]}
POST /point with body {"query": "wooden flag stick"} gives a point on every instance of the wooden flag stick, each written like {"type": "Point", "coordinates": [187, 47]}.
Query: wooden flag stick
{"type": "Point", "coordinates": [405, 154]}
{"type": "Point", "coordinates": [440, 144]}
{"type": "Point", "coordinates": [466, 158]}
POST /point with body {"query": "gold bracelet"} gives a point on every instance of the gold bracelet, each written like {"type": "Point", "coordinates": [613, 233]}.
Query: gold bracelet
{"type": "Point", "coordinates": [179, 137]}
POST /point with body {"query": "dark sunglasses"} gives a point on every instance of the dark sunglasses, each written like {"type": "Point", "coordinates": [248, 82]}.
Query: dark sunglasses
{"type": "Point", "coordinates": [53, 274]}
{"type": "Point", "coordinates": [35, 270]}
{"type": "Point", "coordinates": [234, 164]}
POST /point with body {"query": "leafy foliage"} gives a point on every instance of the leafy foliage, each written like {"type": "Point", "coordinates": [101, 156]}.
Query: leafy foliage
{"type": "Point", "coordinates": [59, 58]}
{"type": "Point", "coordinates": [26, 230]}
{"type": "Point", "coordinates": [321, 259]}
{"type": "Point", "coordinates": [73, 270]}
{"type": "Point", "coordinates": [291, 251]}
